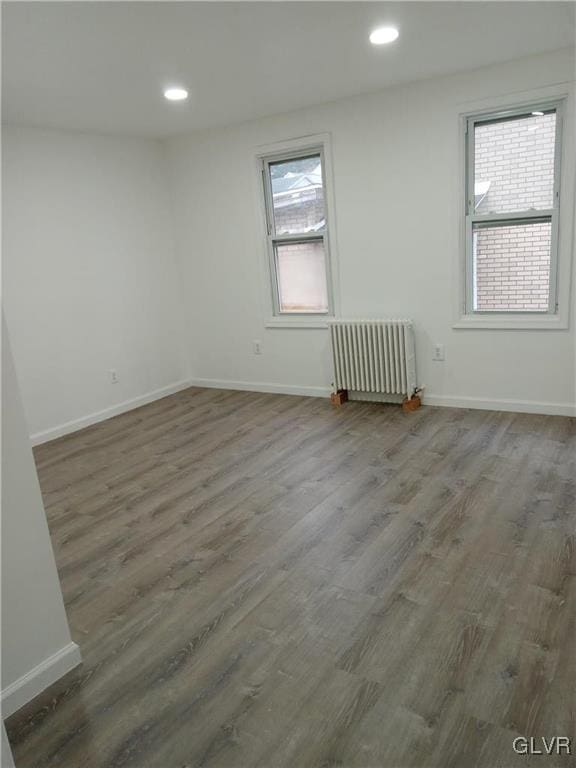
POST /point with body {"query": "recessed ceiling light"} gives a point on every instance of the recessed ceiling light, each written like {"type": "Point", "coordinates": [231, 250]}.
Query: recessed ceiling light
{"type": "Point", "coordinates": [176, 94]}
{"type": "Point", "coordinates": [537, 114]}
{"type": "Point", "coordinates": [383, 35]}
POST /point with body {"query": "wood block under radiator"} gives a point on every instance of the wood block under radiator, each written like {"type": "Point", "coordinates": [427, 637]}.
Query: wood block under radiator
{"type": "Point", "coordinates": [339, 397]}
{"type": "Point", "coordinates": [411, 403]}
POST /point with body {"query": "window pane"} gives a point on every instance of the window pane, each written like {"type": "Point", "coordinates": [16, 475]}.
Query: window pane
{"type": "Point", "coordinates": [512, 267]}
{"type": "Point", "coordinates": [301, 271]}
{"type": "Point", "coordinates": [298, 195]}
{"type": "Point", "coordinates": [514, 164]}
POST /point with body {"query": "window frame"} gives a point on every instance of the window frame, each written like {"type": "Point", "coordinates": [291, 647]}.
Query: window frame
{"type": "Point", "coordinates": [296, 151]}
{"type": "Point", "coordinates": [472, 317]}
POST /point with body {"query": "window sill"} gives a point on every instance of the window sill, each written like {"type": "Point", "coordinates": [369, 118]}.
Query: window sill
{"type": "Point", "coordinates": [299, 322]}
{"type": "Point", "coordinates": [515, 323]}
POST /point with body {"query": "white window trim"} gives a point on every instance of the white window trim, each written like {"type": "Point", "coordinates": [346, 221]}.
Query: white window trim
{"type": "Point", "coordinates": [317, 142]}
{"type": "Point", "coordinates": [565, 172]}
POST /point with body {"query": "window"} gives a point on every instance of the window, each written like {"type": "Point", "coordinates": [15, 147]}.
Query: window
{"type": "Point", "coordinates": [296, 220]}
{"type": "Point", "coordinates": [512, 210]}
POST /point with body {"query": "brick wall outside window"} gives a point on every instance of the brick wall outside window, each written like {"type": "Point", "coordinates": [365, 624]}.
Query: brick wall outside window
{"type": "Point", "coordinates": [513, 267]}
{"type": "Point", "coordinates": [512, 262]}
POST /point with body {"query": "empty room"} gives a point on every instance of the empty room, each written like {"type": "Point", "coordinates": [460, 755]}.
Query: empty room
{"type": "Point", "coordinates": [288, 385]}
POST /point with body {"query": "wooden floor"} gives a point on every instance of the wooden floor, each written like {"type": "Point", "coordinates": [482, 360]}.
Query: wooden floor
{"type": "Point", "coordinates": [262, 580]}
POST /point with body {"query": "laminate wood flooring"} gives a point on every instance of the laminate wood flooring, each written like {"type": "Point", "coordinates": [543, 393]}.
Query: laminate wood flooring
{"type": "Point", "coordinates": [263, 581]}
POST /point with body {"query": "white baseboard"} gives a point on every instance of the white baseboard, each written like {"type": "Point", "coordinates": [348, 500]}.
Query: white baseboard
{"type": "Point", "coordinates": [489, 404]}
{"type": "Point", "coordinates": [107, 413]}
{"type": "Point", "coordinates": [449, 401]}
{"type": "Point", "coordinates": [260, 386]}
{"type": "Point", "coordinates": [28, 686]}
{"type": "Point", "coordinates": [446, 401]}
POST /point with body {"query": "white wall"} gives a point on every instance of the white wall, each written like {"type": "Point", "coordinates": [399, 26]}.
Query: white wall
{"type": "Point", "coordinates": [7, 761]}
{"type": "Point", "coordinates": [90, 280]}
{"type": "Point", "coordinates": [397, 178]}
{"type": "Point", "coordinates": [36, 644]}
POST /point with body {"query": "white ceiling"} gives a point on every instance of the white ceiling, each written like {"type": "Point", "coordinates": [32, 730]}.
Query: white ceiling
{"type": "Point", "coordinates": [102, 66]}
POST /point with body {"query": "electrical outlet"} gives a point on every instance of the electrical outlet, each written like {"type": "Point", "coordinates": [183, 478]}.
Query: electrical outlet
{"type": "Point", "coordinates": [257, 346]}
{"type": "Point", "coordinates": [113, 376]}
{"type": "Point", "coordinates": [438, 353]}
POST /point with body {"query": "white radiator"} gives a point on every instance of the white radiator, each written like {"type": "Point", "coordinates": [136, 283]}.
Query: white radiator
{"type": "Point", "coordinates": [375, 357]}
